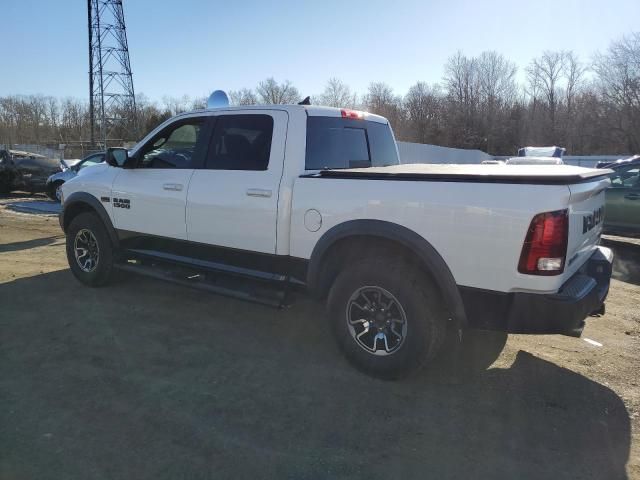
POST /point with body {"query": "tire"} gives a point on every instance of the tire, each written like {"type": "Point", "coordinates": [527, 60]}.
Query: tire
{"type": "Point", "coordinates": [52, 190]}
{"type": "Point", "coordinates": [396, 282]}
{"type": "Point", "coordinates": [84, 228]}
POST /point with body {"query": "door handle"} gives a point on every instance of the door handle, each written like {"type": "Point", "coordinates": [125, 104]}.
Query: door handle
{"type": "Point", "coordinates": [632, 196]}
{"type": "Point", "coordinates": [258, 192]}
{"type": "Point", "coordinates": [177, 187]}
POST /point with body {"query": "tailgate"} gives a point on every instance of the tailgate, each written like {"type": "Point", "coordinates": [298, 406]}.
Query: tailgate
{"type": "Point", "coordinates": [586, 215]}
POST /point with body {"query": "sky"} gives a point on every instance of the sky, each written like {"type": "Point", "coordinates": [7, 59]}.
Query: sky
{"type": "Point", "coordinates": [195, 46]}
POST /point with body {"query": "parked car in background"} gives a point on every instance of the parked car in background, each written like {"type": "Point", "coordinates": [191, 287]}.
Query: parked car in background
{"type": "Point", "coordinates": [623, 198]}
{"type": "Point", "coordinates": [553, 151]}
{"type": "Point", "coordinates": [534, 161]}
{"type": "Point", "coordinates": [25, 171]}
{"type": "Point", "coordinates": [55, 181]}
{"type": "Point", "coordinates": [492, 162]}
{"type": "Point", "coordinates": [619, 162]}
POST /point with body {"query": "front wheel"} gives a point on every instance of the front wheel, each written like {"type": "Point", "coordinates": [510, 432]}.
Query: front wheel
{"type": "Point", "coordinates": [89, 250]}
{"type": "Point", "coordinates": [386, 316]}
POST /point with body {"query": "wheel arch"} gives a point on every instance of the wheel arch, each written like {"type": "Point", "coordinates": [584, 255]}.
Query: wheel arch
{"type": "Point", "coordinates": [80, 202]}
{"type": "Point", "coordinates": [352, 235]}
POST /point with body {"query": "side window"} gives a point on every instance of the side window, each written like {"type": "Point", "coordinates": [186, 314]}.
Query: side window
{"type": "Point", "coordinates": [173, 147]}
{"type": "Point", "coordinates": [626, 178]}
{"type": "Point", "coordinates": [241, 142]}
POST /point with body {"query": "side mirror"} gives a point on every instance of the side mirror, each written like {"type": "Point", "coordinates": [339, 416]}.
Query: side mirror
{"type": "Point", "coordinates": [117, 157]}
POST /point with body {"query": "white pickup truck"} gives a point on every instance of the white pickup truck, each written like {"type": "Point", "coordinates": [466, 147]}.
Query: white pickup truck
{"type": "Point", "coordinates": [240, 200]}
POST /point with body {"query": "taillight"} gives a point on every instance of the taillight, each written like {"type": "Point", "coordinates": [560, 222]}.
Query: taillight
{"type": "Point", "coordinates": [545, 246]}
{"type": "Point", "coordinates": [346, 113]}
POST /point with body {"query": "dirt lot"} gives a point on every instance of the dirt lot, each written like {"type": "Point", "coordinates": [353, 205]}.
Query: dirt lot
{"type": "Point", "coordinates": [144, 379]}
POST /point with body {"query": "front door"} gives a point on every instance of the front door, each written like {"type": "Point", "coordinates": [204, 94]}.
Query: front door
{"type": "Point", "coordinates": [151, 197]}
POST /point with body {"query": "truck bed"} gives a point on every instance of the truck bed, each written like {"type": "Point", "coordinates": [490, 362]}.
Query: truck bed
{"type": "Point", "coordinates": [518, 174]}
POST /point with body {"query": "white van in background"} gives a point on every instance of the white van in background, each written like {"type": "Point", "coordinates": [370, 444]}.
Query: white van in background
{"type": "Point", "coordinates": [534, 161]}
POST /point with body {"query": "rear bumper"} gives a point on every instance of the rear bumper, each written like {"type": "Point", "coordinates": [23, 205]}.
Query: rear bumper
{"type": "Point", "coordinates": [563, 312]}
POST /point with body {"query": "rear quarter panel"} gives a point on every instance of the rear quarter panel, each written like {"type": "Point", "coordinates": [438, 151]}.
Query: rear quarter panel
{"type": "Point", "coordinates": [478, 228]}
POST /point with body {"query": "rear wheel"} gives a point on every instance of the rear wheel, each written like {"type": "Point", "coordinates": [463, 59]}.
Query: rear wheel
{"type": "Point", "coordinates": [386, 316]}
{"type": "Point", "coordinates": [89, 250]}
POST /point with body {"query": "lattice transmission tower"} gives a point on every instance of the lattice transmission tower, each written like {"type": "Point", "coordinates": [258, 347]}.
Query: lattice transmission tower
{"type": "Point", "coordinates": [111, 97]}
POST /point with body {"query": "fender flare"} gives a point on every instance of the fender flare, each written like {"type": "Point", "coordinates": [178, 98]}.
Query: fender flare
{"type": "Point", "coordinates": [73, 201]}
{"type": "Point", "coordinates": [429, 257]}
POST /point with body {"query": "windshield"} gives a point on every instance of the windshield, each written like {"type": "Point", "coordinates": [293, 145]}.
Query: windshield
{"type": "Point", "coordinates": [93, 160]}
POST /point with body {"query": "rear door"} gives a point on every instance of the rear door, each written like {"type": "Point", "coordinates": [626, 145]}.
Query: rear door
{"type": "Point", "coordinates": [233, 200]}
{"type": "Point", "coordinates": [151, 198]}
{"type": "Point", "coordinates": [623, 199]}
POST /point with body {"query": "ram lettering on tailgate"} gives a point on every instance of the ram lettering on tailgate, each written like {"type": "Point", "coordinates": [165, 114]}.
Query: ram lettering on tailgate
{"type": "Point", "coordinates": [590, 220]}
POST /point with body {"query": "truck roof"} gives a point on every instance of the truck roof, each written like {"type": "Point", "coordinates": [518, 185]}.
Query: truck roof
{"type": "Point", "coordinates": [311, 110]}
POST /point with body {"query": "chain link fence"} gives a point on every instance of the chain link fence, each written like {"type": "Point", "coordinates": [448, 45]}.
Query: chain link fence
{"type": "Point", "coordinates": [57, 152]}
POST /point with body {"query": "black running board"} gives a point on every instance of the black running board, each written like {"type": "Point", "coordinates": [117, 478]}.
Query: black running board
{"type": "Point", "coordinates": [244, 289]}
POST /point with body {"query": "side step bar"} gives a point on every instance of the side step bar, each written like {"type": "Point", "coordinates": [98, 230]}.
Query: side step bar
{"type": "Point", "coordinates": [229, 286]}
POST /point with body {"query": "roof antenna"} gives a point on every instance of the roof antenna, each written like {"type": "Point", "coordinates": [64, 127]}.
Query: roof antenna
{"type": "Point", "coordinates": [306, 101]}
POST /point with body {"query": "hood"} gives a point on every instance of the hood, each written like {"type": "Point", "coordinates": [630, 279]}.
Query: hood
{"type": "Point", "coordinates": [93, 168]}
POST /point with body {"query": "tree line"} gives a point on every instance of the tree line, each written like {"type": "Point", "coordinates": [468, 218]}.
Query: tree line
{"type": "Point", "coordinates": [588, 107]}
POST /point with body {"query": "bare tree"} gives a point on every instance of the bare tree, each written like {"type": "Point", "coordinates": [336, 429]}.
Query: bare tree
{"type": "Point", "coordinates": [149, 115]}
{"type": "Point", "coordinates": [497, 92]}
{"type": "Point", "coordinates": [545, 75]}
{"type": "Point", "coordinates": [74, 120]}
{"type": "Point", "coordinates": [462, 87]}
{"type": "Point", "coordinates": [618, 72]}
{"type": "Point", "coordinates": [198, 103]}
{"type": "Point", "coordinates": [574, 74]}
{"type": "Point", "coordinates": [176, 105]}
{"type": "Point", "coordinates": [495, 77]}
{"type": "Point", "coordinates": [271, 92]}
{"type": "Point", "coordinates": [574, 77]}
{"type": "Point", "coordinates": [461, 81]}
{"type": "Point", "coordinates": [380, 99]}
{"type": "Point", "coordinates": [244, 96]}
{"type": "Point", "coordinates": [53, 114]}
{"type": "Point", "coordinates": [423, 105]}
{"type": "Point", "coordinates": [337, 94]}
{"type": "Point", "coordinates": [479, 106]}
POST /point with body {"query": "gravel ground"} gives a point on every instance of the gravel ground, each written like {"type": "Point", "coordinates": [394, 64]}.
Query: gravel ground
{"type": "Point", "coordinates": [144, 379]}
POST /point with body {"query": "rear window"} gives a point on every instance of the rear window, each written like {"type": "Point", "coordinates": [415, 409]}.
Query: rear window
{"type": "Point", "coordinates": [348, 143]}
